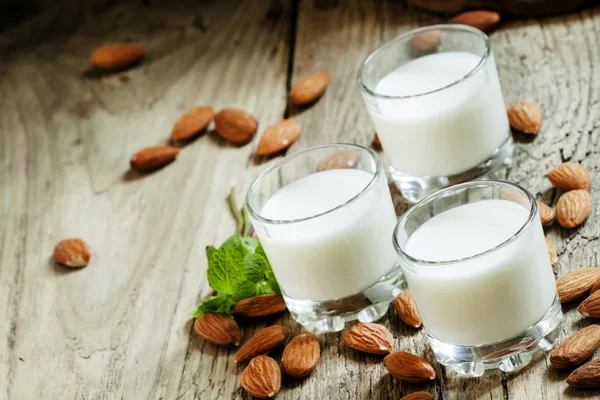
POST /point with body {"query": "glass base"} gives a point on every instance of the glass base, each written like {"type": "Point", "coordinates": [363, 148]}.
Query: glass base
{"type": "Point", "coordinates": [509, 356]}
{"type": "Point", "coordinates": [331, 316]}
{"type": "Point", "coordinates": [415, 188]}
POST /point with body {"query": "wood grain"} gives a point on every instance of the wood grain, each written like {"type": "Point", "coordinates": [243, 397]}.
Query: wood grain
{"type": "Point", "coordinates": [121, 327]}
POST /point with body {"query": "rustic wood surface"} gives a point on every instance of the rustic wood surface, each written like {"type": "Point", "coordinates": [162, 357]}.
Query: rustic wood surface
{"type": "Point", "coordinates": [121, 327]}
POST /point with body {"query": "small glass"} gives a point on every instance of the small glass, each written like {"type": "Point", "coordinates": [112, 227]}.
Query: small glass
{"type": "Point", "coordinates": [492, 307]}
{"type": "Point", "coordinates": [325, 216]}
{"type": "Point", "coordinates": [434, 97]}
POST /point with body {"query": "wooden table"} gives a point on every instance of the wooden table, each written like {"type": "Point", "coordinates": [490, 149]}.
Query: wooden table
{"type": "Point", "coordinates": [121, 327]}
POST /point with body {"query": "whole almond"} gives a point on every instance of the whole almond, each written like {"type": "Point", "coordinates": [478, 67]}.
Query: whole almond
{"type": "Point", "coordinates": [153, 157]}
{"type": "Point", "coordinates": [481, 19]}
{"type": "Point", "coordinates": [525, 117]}
{"type": "Point", "coordinates": [595, 286]}
{"type": "Point", "coordinates": [262, 342]}
{"type": "Point", "coordinates": [369, 338]}
{"type": "Point", "coordinates": [590, 307]}
{"type": "Point", "coordinates": [418, 396]}
{"type": "Point", "coordinates": [259, 306]}
{"type": "Point", "coordinates": [218, 329]}
{"type": "Point", "coordinates": [192, 122]}
{"type": "Point", "coordinates": [310, 88]}
{"type": "Point", "coordinates": [577, 283]}
{"type": "Point", "coordinates": [427, 41]}
{"type": "Point", "coordinates": [376, 140]}
{"type": "Point", "coordinates": [586, 377]}
{"type": "Point", "coordinates": [576, 348]}
{"type": "Point", "coordinates": [262, 377]}
{"type": "Point", "coordinates": [278, 137]}
{"type": "Point", "coordinates": [301, 355]}
{"type": "Point", "coordinates": [570, 176]}
{"type": "Point", "coordinates": [405, 307]}
{"type": "Point", "coordinates": [573, 207]}
{"type": "Point", "coordinates": [408, 367]}
{"type": "Point", "coordinates": [339, 159]}
{"type": "Point", "coordinates": [73, 253]}
{"type": "Point", "coordinates": [551, 251]}
{"type": "Point", "coordinates": [117, 56]}
{"type": "Point", "coordinates": [235, 125]}
{"type": "Point", "coordinates": [546, 213]}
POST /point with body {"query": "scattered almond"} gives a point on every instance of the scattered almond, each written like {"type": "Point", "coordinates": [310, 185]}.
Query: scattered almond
{"type": "Point", "coordinates": [481, 19]}
{"type": "Point", "coordinates": [153, 157]}
{"type": "Point", "coordinates": [192, 122]}
{"type": "Point", "coordinates": [405, 307]}
{"type": "Point", "coordinates": [262, 377]}
{"type": "Point", "coordinates": [218, 328]}
{"type": "Point", "coordinates": [427, 41]}
{"type": "Point", "coordinates": [595, 286]}
{"type": "Point", "coordinates": [576, 348]}
{"type": "Point", "coordinates": [376, 140]}
{"type": "Point", "coordinates": [551, 251]}
{"type": "Point", "coordinates": [369, 338]}
{"type": "Point", "coordinates": [262, 342]}
{"type": "Point", "coordinates": [573, 207]}
{"type": "Point", "coordinates": [301, 355]}
{"type": "Point", "coordinates": [546, 213]}
{"type": "Point", "coordinates": [235, 125]}
{"type": "Point", "coordinates": [570, 176]}
{"type": "Point", "coordinates": [310, 88]}
{"type": "Point", "coordinates": [117, 56]}
{"type": "Point", "coordinates": [418, 396]}
{"type": "Point", "coordinates": [590, 307]}
{"type": "Point", "coordinates": [339, 159]}
{"type": "Point", "coordinates": [525, 117]}
{"type": "Point", "coordinates": [408, 367]}
{"type": "Point", "coordinates": [586, 377]}
{"type": "Point", "coordinates": [72, 253]}
{"type": "Point", "coordinates": [577, 283]}
{"type": "Point", "coordinates": [278, 137]}
{"type": "Point", "coordinates": [259, 306]}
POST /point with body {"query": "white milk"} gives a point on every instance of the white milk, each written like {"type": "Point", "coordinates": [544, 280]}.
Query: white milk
{"type": "Point", "coordinates": [446, 132]}
{"type": "Point", "coordinates": [488, 299]}
{"type": "Point", "coordinates": [335, 255]}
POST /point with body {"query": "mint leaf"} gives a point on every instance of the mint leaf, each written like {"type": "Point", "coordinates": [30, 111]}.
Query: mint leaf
{"type": "Point", "coordinates": [250, 243]}
{"type": "Point", "coordinates": [259, 250]}
{"type": "Point", "coordinates": [209, 251]}
{"type": "Point", "coordinates": [215, 304]}
{"type": "Point", "coordinates": [255, 267]}
{"type": "Point", "coordinates": [271, 281]}
{"type": "Point", "coordinates": [226, 269]}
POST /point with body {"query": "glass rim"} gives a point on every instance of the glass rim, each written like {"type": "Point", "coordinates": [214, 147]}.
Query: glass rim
{"type": "Point", "coordinates": [426, 201]}
{"type": "Point", "coordinates": [285, 160]}
{"type": "Point", "coordinates": [405, 35]}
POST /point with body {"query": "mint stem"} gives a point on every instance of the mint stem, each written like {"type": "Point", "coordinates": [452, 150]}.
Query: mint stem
{"type": "Point", "coordinates": [239, 219]}
{"type": "Point", "coordinates": [247, 224]}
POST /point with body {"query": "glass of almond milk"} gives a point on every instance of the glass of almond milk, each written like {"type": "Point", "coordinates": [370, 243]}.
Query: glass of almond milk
{"type": "Point", "coordinates": [434, 97]}
{"type": "Point", "coordinates": [476, 262]}
{"type": "Point", "coordinates": [325, 219]}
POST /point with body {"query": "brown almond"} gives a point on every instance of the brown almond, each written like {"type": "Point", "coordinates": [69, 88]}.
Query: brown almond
{"type": "Point", "coordinates": [586, 377]}
{"type": "Point", "coordinates": [192, 122]}
{"type": "Point", "coordinates": [481, 19]}
{"type": "Point", "coordinates": [369, 338]}
{"type": "Point", "coordinates": [595, 286]}
{"type": "Point", "coordinates": [408, 367]}
{"type": "Point", "coordinates": [73, 253]}
{"type": "Point", "coordinates": [573, 207]}
{"type": "Point", "coordinates": [427, 41]}
{"type": "Point", "coordinates": [576, 348]}
{"type": "Point", "coordinates": [339, 159]}
{"type": "Point", "coordinates": [262, 342]}
{"type": "Point", "coordinates": [310, 88]}
{"type": "Point", "coordinates": [525, 117]}
{"type": "Point", "coordinates": [153, 157]}
{"type": "Point", "coordinates": [570, 176]}
{"type": "Point", "coordinates": [546, 213]}
{"type": "Point", "coordinates": [551, 251]}
{"type": "Point", "coordinates": [262, 377]}
{"type": "Point", "coordinates": [301, 355]}
{"type": "Point", "coordinates": [405, 307]}
{"type": "Point", "coordinates": [278, 137]}
{"type": "Point", "coordinates": [577, 283]}
{"type": "Point", "coordinates": [376, 140]}
{"type": "Point", "coordinates": [117, 56]}
{"type": "Point", "coordinates": [235, 125]}
{"type": "Point", "coordinates": [218, 329]}
{"type": "Point", "coordinates": [418, 396]}
{"type": "Point", "coordinates": [259, 306]}
{"type": "Point", "coordinates": [590, 307]}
